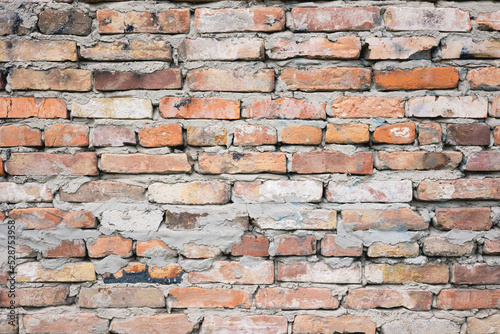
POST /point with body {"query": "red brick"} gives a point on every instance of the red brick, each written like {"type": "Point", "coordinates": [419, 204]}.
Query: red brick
{"type": "Point", "coordinates": [109, 135]}
{"type": "Point", "coordinates": [413, 18]}
{"type": "Point", "coordinates": [205, 108]}
{"type": "Point", "coordinates": [347, 134]}
{"type": "Point", "coordinates": [12, 24]}
{"type": "Point", "coordinates": [153, 324]}
{"type": "Point", "coordinates": [36, 297]}
{"type": "Point", "coordinates": [302, 135]}
{"type": "Point", "coordinates": [66, 248]}
{"type": "Point", "coordinates": [374, 191]}
{"type": "Point", "coordinates": [226, 49]}
{"type": "Point", "coordinates": [419, 78]}
{"type": "Point", "coordinates": [294, 245]}
{"type": "Point", "coordinates": [19, 135]}
{"type": "Point", "coordinates": [24, 252]}
{"type": "Point", "coordinates": [416, 300]}
{"type": "Point", "coordinates": [326, 79]}
{"type": "Point", "coordinates": [335, 18]}
{"type": "Point", "coordinates": [278, 191]}
{"type": "Point", "coordinates": [489, 20]}
{"type": "Point", "coordinates": [487, 78]}
{"type": "Point", "coordinates": [236, 273]}
{"type": "Point", "coordinates": [145, 163]}
{"type": "Point", "coordinates": [207, 20]}
{"type": "Point", "coordinates": [162, 79]}
{"type": "Point", "coordinates": [401, 273]}
{"type": "Point", "coordinates": [459, 189]}
{"type": "Point", "coordinates": [468, 134]}
{"type": "Point", "coordinates": [483, 161]}
{"type": "Point", "coordinates": [429, 133]}
{"type": "Point", "coordinates": [242, 163]}
{"type": "Point", "coordinates": [170, 21]}
{"type": "Point", "coordinates": [104, 191]}
{"type": "Point", "coordinates": [332, 162]}
{"type": "Point", "coordinates": [400, 47]}
{"type": "Point", "coordinates": [316, 48]}
{"type": "Point", "coordinates": [256, 324]}
{"type": "Point", "coordinates": [472, 219]}
{"type": "Point", "coordinates": [29, 50]}
{"type": "Point", "coordinates": [255, 135]}
{"type": "Point", "coordinates": [83, 323]}
{"type": "Point", "coordinates": [52, 164]}
{"type": "Point", "coordinates": [25, 107]}
{"type": "Point", "coordinates": [287, 108]}
{"type": "Point", "coordinates": [368, 106]}
{"type": "Point", "coordinates": [305, 324]}
{"type": "Point", "coordinates": [399, 133]}
{"type": "Point", "coordinates": [121, 297]}
{"type": "Point", "coordinates": [154, 248]}
{"type": "Point", "coordinates": [192, 297]}
{"type": "Point", "coordinates": [67, 135]}
{"type": "Point", "coordinates": [55, 79]}
{"type": "Point", "coordinates": [221, 80]}
{"type": "Point", "coordinates": [437, 246]}
{"type": "Point", "coordinates": [496, 135]}
{"type": "Point", "coordinates": [47, 218]}
{"type": "Point", "coordinates": [318, 272]}
{"type": "Point", "coordinates": [491, 247]}
{"type": "Point", "coordinates": [418, 160]}
{"type": "Point", "coordinates": [251, 245]}
{"type": "Point", "coordinates": [126, 49]}
{"type": "Point", "coordinates": [495, 107]}
{"type": "Point", "coordinates": [64, 22]}
{"type": "Point", "coordinates": [479, 273]}
{"type": "Point", "coordinates": [333, 245]}
{"type": "Point", "coordinates": [196, 192]}
{"type": "Point", "coordinates": [113, 245]}
{"type": "Point", "coordinates": [296, 299]}
{"type": "Point", "coordinates": [454, 299]}
{"type": "Point", "coordinates": [163, 135]}
{"type": "Point", "coordinates": [401, 249]}
{"type": "Point", "coordinates": [206, 136]}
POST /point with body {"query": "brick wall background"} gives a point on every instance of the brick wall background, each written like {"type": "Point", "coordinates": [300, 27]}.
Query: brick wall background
{"type": "Point", "coordinates": [251, 167]}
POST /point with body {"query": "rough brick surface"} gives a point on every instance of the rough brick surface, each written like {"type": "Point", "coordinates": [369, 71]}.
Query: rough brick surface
{"type": "Point", "coordinates": [173, 107]}
{"type": "Point", "coordinates": [326, 79]}
{"type": "Point", "coordinates": [420, 78]}
{"type": "Point", "coordinates": [266, 19]}
{"type": "Point", "coordinates": [335, 18]}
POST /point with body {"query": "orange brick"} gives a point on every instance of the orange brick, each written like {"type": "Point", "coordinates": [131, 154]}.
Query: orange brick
{"type": "Point", "coordinates": [419, 160]}
{"type": "Point", "coordinates": [392, 219]}
{"type": "Point", "coordinates": [399, 133]}
{"type": "Point", "coordinates": [459, 189]}
{"type": "Point", "coordinates": [304, 324]}
{"type": "Point", "coordinates": [333, 245]}
{"type": "Point", "coordinates": [152, 324]}
{"type": "Point", "coordinates": [293, 245]}
{"type": "Point", "coordinates": [52, 164]}
{"type": "Point", "coordinates": [19, 135]}
{"type": "Point", "coordinates": [332, 162]}
{"type": "Point", "coordinates": [55, 79]}
{"type": "Point", "coordinates": [67, 135]}
{"type": "Point", "coordinates": [205, 108]}
{"type": "Point", "coordinates": [251, 245]}
{"type": "Point", "coordinates": [347, 133]}
{"type": "Point", "coordinates": [67, 248]}
{"type": "Point", "coordinates": [47, 218]}
{"type": "Point", "coordinates": [417, 300]}
{"type": "Point", "coordinates": [60, 323]}
{"type": "Point", "coordinates": [192, 297]}
{"type": "Point", "coordinates": [206, 136]}
{"type": "Point", "coordinates": [163, 135]}
{"type": "Point", "coordinates": [419, 78]}
{"type": "Point", "coordinates": [255, 135]}
{"type": "Point", "coordinates": [163, 79]}
{"type": "Point", "coordinates": [454, 299]}
{"type": "Point", "coordinates": [293, 299]}
{"type": "Point", "coordinates": [487, 78]}
{"type": "Point", "coordinates": [304, 134]}
{"type": "Point", "coordinates": [267, 19]}
{"type": "Point", "coordinates": [145, 163]}
{"type": "Point", "coordinates": [401, 249]}
{"type": "Point", "coordinates": [316, 48]}
{"type": "Point", "coordinates": [496, 135]}
{"type": "Point", "coordinates": [335, 18]}
{"type": "Point", "coordinates": [153, 248]}
{"type": "Point", "coordinates": [326, 79]}
{"type": "Point", "coordinates": [37, 297]}
{"type": "Point", "coordinates": [242, 163]}
{"type": "Point", "coordinates": [127, 49]}
{"type": "Point", "coordinates": [114, 245]}
{"type": "Point", "coordinates": [221, 80]}
{"type": "Point", "coordinates": [368, 106]}
{"type": "Point", "coordinates": [25, 107]}
{"type": "Point", "coordinates": [472, 219]}
{"type": "Point", "coordinates": [104, 191]}
{"type": "Point", "coordinates": [286, 108]}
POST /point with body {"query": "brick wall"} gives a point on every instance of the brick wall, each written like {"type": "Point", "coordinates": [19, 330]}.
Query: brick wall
{"type": "Point", "coordinates": [250, 167]}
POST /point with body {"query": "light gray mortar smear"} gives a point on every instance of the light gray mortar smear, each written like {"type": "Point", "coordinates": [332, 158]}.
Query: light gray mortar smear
{"type": "Point", "coordinates": [460, 237]}
{"type": "Point", "coordinates": [41, 240]}
{"type": "Point", "coordinates": [495, 213]}
{"type": "Point", "coordinates": [248, 261]}
{"type": "Point", "coordinates": [338, 263]}
{"type": "Point", "coordinates": [54, 264]}
{"type": "Point", "coordinates": [189, 265]}
{"type": "Point", "coordinates": [387, 237]}
{"type": "Point", "coordinates": [110, 264]}
{"type": "Point", "coordinates": [492, 234]}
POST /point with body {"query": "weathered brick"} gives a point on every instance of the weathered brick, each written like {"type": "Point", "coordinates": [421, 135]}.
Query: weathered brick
{"type": "Point", "coordinates": [483, 161]}
{"type": "Point", "coordinates": [294, 245]}
{"type": "Point", "coordinates": [145, 163]}
{"type": "Point", "coordinates": [401, 273]}
{"type": "Point", "coordinates": [261, 272]}
{"type": "Point", "coordinates": [400, 47]}
{"type": "Point", "coordinates": [109, 245]}
{"type": "Point", "coordinates": [186, 218]}
{"type": "Point", "coordinates": [419, 78]}
{"type": "Point", "coordinates": [25, 252]}
{"type": "Point", "coordinates": [194, 251]}
{"type": "Point", "coordinates": [459, 189]}
{"type": "Point", "coordinates": [207, 20]}
{"type": "Point", "coordinates": [192, 297]}
{"type": "Point", "coordinates": [292, 299]}
{"type": "Point", "coordinates": [36, 297]}
{"type": "Point", "coordinates": [170, 21]}
{"type": "Point", "coordinates": [434, 325]}
{"type": "Point", "coordinates": [121, 297]}
{"type": "Point", "coordinates": [125, 108]}
{"type": "Point", "coordinates": [124, 50]}
{"type": "Point", "coordinates": [163, 135]}
{"type": "Point", "coordinates": [277, 191]}
{"type": "Point", "coordinates": [152, 324]}
{"type": "Point", "coordinates": [487, 325]}
{"type": "Point", "coordinates": [495, 107]}
{"type": "Point", "coordinates": [52, 164]}
{"type": "Point", "coordinates": [335, 18]}
{"type": "Point", "coordinates": [69, 272]}
{"type": "Point", "coordinates": [487, 78]}
{"type": "Point", "coordinates": [67, 135]}
{"type": "Point", "coordinates": [242, 163]}
{"type": "Point", "coordinates": [473, 219]}
{"type": "Point", "coordinates": [454, 299]}
{"type": "Point", "coordinates": [104, 191]}
{"type": "Point", "coordinates": [496, 135]}
{"type": "Point", "coordinates": [54, 79]}
{"type": "Point", "coordinates": [448, 106]}
{"type": "Point", "coordinates": [255, 324]}
{"type": "Point", "coordinates": [375, 191]}
{"type": "Point", "coordinates": [456, 47]}
{"type": "Point", "coordinates": [162, 79]}
{"type": "Point", "coordinates": [399, 133]}
{"type": "Point", "coordinates": [227, 49]}
{"type": "Point", "coordinates": [347, 134]}
{"type": "Point", "coordinates": [206, 136]}
{"type": "Point", "coordinates": [205, 108]}
{"type": "Point", "coordinates": [286, 108]}
{"type": "Point", "coordinates": [83, 323]}
{"type": "Point", "coordinates": [401, 249]}
{"type": "Point", "coordinates": [222, 80]}
{"type": "Point", "coordinates": [468, 134]}
{"type": "Point", "coordinates": [318, 219]}
{"type": "Point", "coordinates": [368, 106]}
{"type": "Point", "coordinates": [429, 133]}
{"type": "Point", "coordinates": [332, 162]}
{"type": "Point", "coordinates": [304, 324]}
{"type": "Point", "coordinates": [110, 135]}
{"type": "Point", "coordinates": [25, 107]}
{"type": "Point", "coordinates": [251, 245]}
{"type": "Point", "coordinates": [418, 160]}
{"type": "Point", "coordinates": [302, 135]}
{"type": "Point", "coordinates": [154, 248]}
{"type": "Point", "coordinates": [416, 300]}
{"type": "Point", "coordinates": [12, 24]}
{"type": "Point", "coordinates": [255, 135]}
{"type": "Point", "coordinates": [413, 18]}
{"type": "Point", "coordinates": [11, 192]}
{"type": "Point", "coordinates": [29, 50]}
{"type": "Point", "coordinates": [334, 245]}
{"type": "Point", "coordinates": [2, 172]}
{"type": "Point", "coordinates": [66, 248]}
{"type": "Point", "coordinates": [316, 48]}
{"type": "Point", "coordinates": [64, 22]}
{"type": "Point", "coordinates": [479, 273]}
{"type": "Point", "coordinates": [489, 20]}
{"type": "Point", "coordinates": [318, 272]}
{"type": "Point", "coordinates": [197, 192]}
{"type": "Point", "coordinates": [142, 273]}
{"type": "Point", "coordinates": [437, 246]}
{"type": "Point", "coordinates": [326, 79]}
{"type": "Point", "coordinates": [19, 135]}
{"type": "Point", "coordinates": [131, 220]}
{"type": "Point", "coordinates": [491, 247]}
